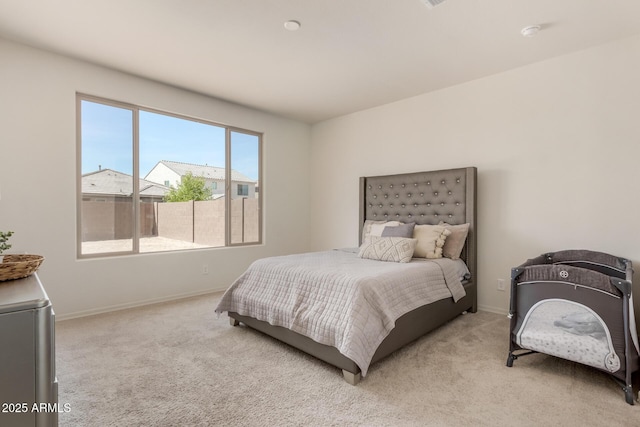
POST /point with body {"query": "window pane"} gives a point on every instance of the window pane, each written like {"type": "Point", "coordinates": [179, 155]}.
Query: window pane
{"type": "Point", "coordinates": [182, 183]}
{"type": "Point", "coordinates": [245, 175]}
{"type": "Point", "coordinates": [106, 207]}
{"type": "Point", "coordinates": [154, 181]}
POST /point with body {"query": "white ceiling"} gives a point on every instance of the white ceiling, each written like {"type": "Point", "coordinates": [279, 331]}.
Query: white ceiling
{"type": "Point", "coordinates": [348, 55]}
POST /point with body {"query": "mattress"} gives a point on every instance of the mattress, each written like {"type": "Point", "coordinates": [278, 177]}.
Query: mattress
{"type": "Point", "coordinates": [338, 299]}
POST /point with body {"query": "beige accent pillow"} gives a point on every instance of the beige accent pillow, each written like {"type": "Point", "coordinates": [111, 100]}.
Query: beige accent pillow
{"type": "Point", "coordinates": [431, 239]}
{"type": "Point", "coordinates": [455, 241]}
{"type": "Point", "coordinates": [395, 249]}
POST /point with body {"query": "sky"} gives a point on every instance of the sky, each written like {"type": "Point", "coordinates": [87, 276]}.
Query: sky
{"type": "Point", "coordinates": [107, 142]}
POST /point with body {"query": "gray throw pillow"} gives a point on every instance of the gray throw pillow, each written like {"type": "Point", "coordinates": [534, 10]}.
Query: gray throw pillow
{"type": "Point", "coordinates": [402, 230]}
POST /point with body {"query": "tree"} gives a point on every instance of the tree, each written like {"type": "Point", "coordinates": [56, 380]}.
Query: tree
{"type": "Point", "coordinates": [190, 188]}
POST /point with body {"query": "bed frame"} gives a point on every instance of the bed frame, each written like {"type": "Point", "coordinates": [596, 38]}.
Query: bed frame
{"type": "Point", "coordinates": [421, 197]}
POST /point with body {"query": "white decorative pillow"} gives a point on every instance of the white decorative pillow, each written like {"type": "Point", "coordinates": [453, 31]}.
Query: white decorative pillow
{"type": "Point", "coordinates": [431, 239]}
{"type": "Point", "coordinates": [455, 242]}
{"type": "Point", "coordinates": [375, 228]}
{"type": "Point", "coordinates": [395, 249]}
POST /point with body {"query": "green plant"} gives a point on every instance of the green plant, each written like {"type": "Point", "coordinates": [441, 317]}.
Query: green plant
{"type": "Point", "coordinates": [190, 188]}
{"type": "Point", "coordinates": [4, 237]}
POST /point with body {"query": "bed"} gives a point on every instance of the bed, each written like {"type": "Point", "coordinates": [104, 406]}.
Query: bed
{"type": "Point", "coordinates": [576, 305]}
{"type": "Point", "coordinates": [356, 277]}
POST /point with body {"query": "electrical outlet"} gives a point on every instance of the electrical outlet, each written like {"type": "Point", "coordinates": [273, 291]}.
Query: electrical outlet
{"type": "Point", "coordinates": [501, 285]}
{"type": "Point", "coordinates": [205, 269]}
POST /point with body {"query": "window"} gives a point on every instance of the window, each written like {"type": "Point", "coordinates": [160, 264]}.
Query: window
{"type": "Point", "coordinates": [128, 157]}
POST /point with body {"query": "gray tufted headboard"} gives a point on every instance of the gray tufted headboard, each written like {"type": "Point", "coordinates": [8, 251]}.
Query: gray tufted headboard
{"type": "Point", "coordinates": [424, 198]}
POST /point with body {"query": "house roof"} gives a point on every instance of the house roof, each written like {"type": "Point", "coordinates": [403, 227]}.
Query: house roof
{"type": "Point", "coordinates": [108, 182]}
{"type": "Point", "coordinates": [205, 171]}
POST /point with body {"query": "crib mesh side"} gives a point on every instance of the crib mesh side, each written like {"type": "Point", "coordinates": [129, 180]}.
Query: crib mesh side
{"type": "Point", "coordinates": [568, 274]}
{"type": "Point", "coordinates": [599, 261]}
{"type": "Point", "coordinates": [571, 331]}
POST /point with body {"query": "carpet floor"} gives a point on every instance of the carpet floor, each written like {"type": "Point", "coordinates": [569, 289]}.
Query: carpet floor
{"type": "Point", "coordinates": [178, 364]}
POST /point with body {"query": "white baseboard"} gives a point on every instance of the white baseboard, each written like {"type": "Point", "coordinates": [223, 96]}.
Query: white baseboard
{"type": "Point", "coordinates": [491, 309]}
{"type": "Point", "coordinates": [135, 304]}
{"type": "Point", "coordinates": [125, 306]}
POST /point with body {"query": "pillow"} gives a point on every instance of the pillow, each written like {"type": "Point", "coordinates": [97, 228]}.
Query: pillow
{"type": "Point", "coordinates": [395, 249]}
{"type": "Point", "coordinates": [455, 241]}
{"type": "Point", "coordinates": [431, 239]}
{"type": "Point", "coordinates": [402, 230]}
{"type": "Point", "coordinates": [375, 228]}
{"type": "Point", "coordinates": [366, 228]}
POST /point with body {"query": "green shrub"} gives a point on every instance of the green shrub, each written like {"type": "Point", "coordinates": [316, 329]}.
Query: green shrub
{"type": "Point", "coordinates": [4, 237]}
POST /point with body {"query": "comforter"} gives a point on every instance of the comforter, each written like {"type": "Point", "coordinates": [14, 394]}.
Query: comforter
{"type": "Point", "coordinates": [338, 299]}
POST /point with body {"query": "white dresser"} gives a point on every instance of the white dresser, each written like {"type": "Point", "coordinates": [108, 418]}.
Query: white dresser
{"type": "Point", "coordinates": [28, 384]}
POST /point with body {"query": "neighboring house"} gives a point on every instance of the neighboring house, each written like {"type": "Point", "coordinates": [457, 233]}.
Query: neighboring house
{"type": "Point", "coordinates": [109, 185]}
{"type": "Point", "coordinates": [106, 206]}
{"type": "Point", "coordinates": [170, 174]}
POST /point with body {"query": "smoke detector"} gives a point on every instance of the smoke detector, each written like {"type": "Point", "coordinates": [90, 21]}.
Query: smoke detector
{"type": "Point", "coordinates": [432, 3]}
{"type": "Point", "coordinates": [292, 25]}
{"type": "Point", "coordinates": [530, 31]}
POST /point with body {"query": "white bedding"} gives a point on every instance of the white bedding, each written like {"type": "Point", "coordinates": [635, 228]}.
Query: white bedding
{"type": "Point", "coordinates": [338, 299]}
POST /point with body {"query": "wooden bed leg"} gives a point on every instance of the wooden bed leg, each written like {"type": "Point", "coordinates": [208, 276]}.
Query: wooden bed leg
{"type": "Point", "coordinates": [351, 378]}
{"type": "Point", "coordinates": [233, 322]}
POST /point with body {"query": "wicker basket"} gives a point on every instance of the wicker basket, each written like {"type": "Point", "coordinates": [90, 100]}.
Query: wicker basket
{"type": "Point", "coordinates": [19, 266]}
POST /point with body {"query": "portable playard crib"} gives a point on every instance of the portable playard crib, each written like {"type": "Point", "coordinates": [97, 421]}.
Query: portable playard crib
{"type": "Point", "coordinates": [577, 305]}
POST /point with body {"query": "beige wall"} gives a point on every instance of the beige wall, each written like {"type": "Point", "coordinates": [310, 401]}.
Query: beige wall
{"type": "Point", "coordinates": [557, 146]}
{"type": "Point", "coordinates": [38, 183]}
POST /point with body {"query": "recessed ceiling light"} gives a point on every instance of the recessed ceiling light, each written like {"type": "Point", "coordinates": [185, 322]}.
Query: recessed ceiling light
{"type": "Point", "coordinates": [292, 25]}
{"type": "Point", "coordinates": [432, 3]}
{"type": "Point", "coordinates": [530, 31]}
